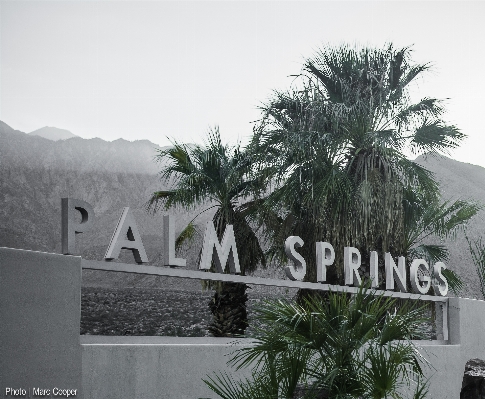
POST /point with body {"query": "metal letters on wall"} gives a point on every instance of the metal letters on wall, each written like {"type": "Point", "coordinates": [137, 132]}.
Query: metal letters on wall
{"type": "Point", "coordinates": [169, 258]}
{"type": "Point", "coordinates": [394, 272]}
{"type": "Point", "coordinates": [219, 253]}
{"type": "Point", "coordinates": [70, 227]}
{"type": "Point", "coordinates": [325, 257]}
{"type": "Point", "coordinates": [126, 236]}
{"type": "Point", "coordinates": [352, 260]}
{"type": "Point", "coordinates": [298, 270]}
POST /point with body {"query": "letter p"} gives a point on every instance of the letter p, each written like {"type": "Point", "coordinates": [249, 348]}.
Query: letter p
{"type": "Point", "coordinates": [70, 224]}
{"type": "Point", "coordinates": [325, 257]}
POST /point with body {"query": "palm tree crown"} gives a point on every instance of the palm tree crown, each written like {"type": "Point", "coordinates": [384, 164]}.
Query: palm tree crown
{"type": "Point", "coordinates": [336, 147]}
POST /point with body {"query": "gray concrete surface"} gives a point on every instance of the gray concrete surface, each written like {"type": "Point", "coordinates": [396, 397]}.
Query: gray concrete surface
{"type": "Point", "coordinates": [173, 368]}
{"type": "Point", "coordinates": [153, 367]}
{"type": "Point", "coordinates": [40, 312]}
{"type": "Point", "coordinates": [466, 320]}
{"type": "Point", "coordinates": [40, 344]}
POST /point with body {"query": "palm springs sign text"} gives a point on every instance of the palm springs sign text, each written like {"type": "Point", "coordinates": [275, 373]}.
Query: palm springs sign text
{"type": "Point", "coordinates": [126, 236]}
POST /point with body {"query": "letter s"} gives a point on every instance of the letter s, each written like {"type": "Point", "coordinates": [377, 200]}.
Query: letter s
{"type": "Point", "coordinates": [440, 284]}
{"type": "Point", "coordinates": [298, 271]}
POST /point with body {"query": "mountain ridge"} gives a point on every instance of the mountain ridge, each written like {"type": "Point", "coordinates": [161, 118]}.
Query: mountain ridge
{"type": "Point", "coordinates": [35, 173]}
{"type": "Point", "coordinates": [76, 153]}
{"type": "Point", "coordinates": [53, 133]}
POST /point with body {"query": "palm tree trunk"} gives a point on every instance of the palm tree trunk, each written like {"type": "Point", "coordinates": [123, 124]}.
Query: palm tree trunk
{"type": "Point", "coordinates": [228, 307]}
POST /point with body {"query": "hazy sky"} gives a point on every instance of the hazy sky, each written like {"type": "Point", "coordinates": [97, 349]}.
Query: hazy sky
{"type": "Point", "coordinates": [148, 70]}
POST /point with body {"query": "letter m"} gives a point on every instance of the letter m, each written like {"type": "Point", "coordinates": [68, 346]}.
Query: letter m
{"type": "Point", "coordinates": [219, 253]}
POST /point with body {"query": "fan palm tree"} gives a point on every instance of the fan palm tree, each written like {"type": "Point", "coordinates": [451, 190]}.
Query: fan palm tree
{"type": "Point", "coordinates": [335, 149]}
{"type": "Point", "coordinates": [215, 176]}
{"type": "Point", "coordinates": [424, 219]}
{"type": "Point", "coordinates": [340, 348]}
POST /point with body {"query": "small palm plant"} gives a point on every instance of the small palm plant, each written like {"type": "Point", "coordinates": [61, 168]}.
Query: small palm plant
{"type": "Point", "coordinates": [342, 347]}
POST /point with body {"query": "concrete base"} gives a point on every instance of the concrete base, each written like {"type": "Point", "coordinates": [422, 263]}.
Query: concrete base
{"type": "Point", "coordinates": [154, 367]}
{"type": "Point", "coordinates": [466, 320]}
{"type": "Point", "coordinates": [40, 346]}
{"type": "Point", "coordinates": [173, 368]}
{"type": "Point", "coordinates": [40, 313]}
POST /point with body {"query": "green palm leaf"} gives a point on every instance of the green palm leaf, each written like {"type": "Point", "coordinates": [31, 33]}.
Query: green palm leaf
{"type": "Point", "coordinates": [347, 347]}
{"type": "Point", "coordinates": [332, 150]}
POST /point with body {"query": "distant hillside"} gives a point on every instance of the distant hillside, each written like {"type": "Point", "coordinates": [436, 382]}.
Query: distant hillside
{"type": "Point", "coordinates": [32, 185]}
{"type": "Point", "coordinates": [76, 154]}
{"type": "Point", "coordinates": [53, 133]}
{"type": "Point", "coordinates": [35, 173]}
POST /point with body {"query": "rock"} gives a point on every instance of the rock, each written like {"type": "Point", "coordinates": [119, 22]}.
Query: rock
{"type": "Point", "coordinates": [473, 386]}
{"type": "Point", "coordinates": [301, 391]}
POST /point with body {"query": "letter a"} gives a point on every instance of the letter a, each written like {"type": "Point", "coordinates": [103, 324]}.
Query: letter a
{"type": "Point", "coordinates": [219, 253]}
{"type": "Point", "coordinates": [126, 236]}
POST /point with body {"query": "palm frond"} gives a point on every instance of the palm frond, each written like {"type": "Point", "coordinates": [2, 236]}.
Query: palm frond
{"type": "Point", "coordinates": [346, 347]}
{"type": "Point", "coordinates": [432, 253]}
{"type": "Point", "coordinates": [455, 283]}
{"type": "Point", "coordinates": [426, 108]}
{"type": "Point", "coordinates": [434, 136]}
{"type": "Point", "coordinates": [158, 199]}
{"type": "Point", "coordinates": [424, 218]}
{"type": "Point", "coordinates": [187, 234]}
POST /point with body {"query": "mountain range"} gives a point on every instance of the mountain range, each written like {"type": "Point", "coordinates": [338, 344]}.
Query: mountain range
{"type": "Point", "coordinates": [18, 149]}
{"type": "Point", "coordinates": [36, 172]}
{"type": "Point", "coordinates": [53, 133]}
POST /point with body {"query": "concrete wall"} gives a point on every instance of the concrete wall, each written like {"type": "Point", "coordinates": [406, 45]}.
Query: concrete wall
{"type": "Point", "coordinates": [173, 368]}
{"type": "Point", "coordinates": [40, 313]}
{"type": "Point", "coordinates": [466, 320]}
{"type": "Point", "coordinates": [40, 344]}
{"type": "Point", "coordinates": [152, 367]}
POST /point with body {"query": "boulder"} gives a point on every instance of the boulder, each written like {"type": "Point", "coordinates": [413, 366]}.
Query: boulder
{"type": "Point", "coordinates": [302, 390]}
{"type": "Point", "coordinates": [473, 386]}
